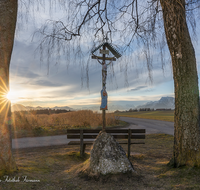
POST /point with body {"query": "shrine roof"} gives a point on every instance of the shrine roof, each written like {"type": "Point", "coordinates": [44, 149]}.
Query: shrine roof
{"type": "Point", "coordinates": [110, 47]}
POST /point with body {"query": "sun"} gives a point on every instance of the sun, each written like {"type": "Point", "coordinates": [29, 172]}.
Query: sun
{"type": "Point", "coordinates": [11, 95]}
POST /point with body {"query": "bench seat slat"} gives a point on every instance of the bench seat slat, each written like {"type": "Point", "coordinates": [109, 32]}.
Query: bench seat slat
{"type": "Point", "coordinates": [125, 130]}
{"type": "Point", "coordinates": [126, 136]}
{"type": "Point", "coordinates": [84, 131]}
{"type": "Point", "coordinates": [84, 136]}
{"type": "Point", "coordinates": [132, 143]}
{"type": "Point", "coordinates": [78, 142]}
{"type": "Point", "coordinates": [91, 142]}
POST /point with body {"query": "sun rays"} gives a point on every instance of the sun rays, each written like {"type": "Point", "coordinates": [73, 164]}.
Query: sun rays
{"type": "Point", "coordinates": [6, 120]}
{"type": "Point", "coordinates": [3, 96]}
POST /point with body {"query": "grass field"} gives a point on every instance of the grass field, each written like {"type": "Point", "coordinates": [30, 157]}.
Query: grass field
{"type": "Point", "coordinates": [157, 115]}
{"type": "Point", "coordinates": [56, 168]}
{"type": "Point", "coordinates": [27, 124]}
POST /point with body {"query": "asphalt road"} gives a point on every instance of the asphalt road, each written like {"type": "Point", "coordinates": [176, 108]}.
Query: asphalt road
{"type": "Point", "coordinates": [28, 142]}
{"type": "Point", "coordinates": [151, 126]}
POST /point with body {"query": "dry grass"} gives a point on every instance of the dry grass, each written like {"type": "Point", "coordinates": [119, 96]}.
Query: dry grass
{"type": "Point", "coordinates": [56, 167]}
{"type": "Point", "coordinates": [37, 125]}
{"type": "Point", "coordinates": [83, 118]}
{"type": "Point", "coordinates": [157, 115]}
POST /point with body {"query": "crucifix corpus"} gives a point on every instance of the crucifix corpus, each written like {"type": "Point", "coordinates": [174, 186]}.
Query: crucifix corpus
{"type": "Point", "coordinates": [106, 49]}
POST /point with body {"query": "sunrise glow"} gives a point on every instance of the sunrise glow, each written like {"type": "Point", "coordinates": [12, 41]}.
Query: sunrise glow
{"type": "Point", "coordinates": [11, 95]}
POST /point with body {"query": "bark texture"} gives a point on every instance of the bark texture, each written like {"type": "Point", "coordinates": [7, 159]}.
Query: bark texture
{"type": "Point", "coordinates": [186, 121]}
{"type": "Point", "coordinates": [8, 16]}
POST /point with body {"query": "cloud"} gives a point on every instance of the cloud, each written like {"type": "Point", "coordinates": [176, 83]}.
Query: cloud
{"type": "Point", "coordinates": [50, 97]}
{"type": "Point", "coordinates": [23, 72]}
{"type": "Point", "coordinates": [63, 83]}
{"type": "Point", "coordinates": [24, 98]}
{"type": "Point", "coordinates": [46, 83]}
{"type": "Point", "coordinates": [138, 88]}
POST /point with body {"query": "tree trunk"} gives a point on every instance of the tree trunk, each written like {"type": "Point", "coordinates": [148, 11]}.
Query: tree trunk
{"type": "Point", "coordinates": [186, 116]}
{"type": "Point", "coordinates": [8, 17]}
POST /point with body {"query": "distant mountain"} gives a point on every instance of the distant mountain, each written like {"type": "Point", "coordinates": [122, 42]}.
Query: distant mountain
{"type": "Point", "coordinates": [29, 107]}
{"type": "Point", "coordinates": [18, 107]}
{"type": "Point", "coordinates": [117, 107]}
{"type": "Point", "coordinates": [62, 108]}
{"type": "Point", "coordinates": [111, 107]}
{"type": "Point", "coordinates": [39, 107]}
{"type": "Point", "coordinates": [163, 103]}
{"type": "Point", "coordinates": [130, 106]}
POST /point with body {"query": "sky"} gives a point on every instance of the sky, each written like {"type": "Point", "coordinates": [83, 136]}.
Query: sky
{"type": "Point", "coordinates": [33, 83]}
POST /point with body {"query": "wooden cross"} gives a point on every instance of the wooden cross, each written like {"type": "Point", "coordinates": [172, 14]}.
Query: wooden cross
{"type": "Point", "coordinates": [104, 73]}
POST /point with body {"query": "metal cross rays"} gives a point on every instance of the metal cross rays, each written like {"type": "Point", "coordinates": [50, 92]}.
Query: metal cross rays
{"type": "Point", "coordinates": [107, 48]}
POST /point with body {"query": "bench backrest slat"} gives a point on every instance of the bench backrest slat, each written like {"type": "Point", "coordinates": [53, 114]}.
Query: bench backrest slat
{"type": "Point", "coordinates": [115, 136]}
{"type": "Point", "coordinates": [108, 130]}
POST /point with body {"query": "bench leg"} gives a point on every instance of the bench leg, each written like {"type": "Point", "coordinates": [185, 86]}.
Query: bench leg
{"type": "Point", "coordinates": [129, 142]}
{"type": "Point", "coordinates": [82, 150]}
{"type": "Point", "coordinates": [84, 145]}
{"type": "Point", "coordinates": [81, 143]}
{"type": "Point", "coordinates": [128, 151]}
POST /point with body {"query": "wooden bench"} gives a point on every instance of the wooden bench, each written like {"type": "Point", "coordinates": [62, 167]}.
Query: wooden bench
{"type": "Point", "coordinates": [129, 134]}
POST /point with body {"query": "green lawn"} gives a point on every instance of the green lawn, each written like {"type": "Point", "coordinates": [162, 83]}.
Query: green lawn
{"type": "Point", "coordinates": [157, 115]}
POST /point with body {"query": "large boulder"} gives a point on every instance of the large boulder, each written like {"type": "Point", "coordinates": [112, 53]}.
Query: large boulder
{"type": "Point", "coordinates": [108, 157]}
